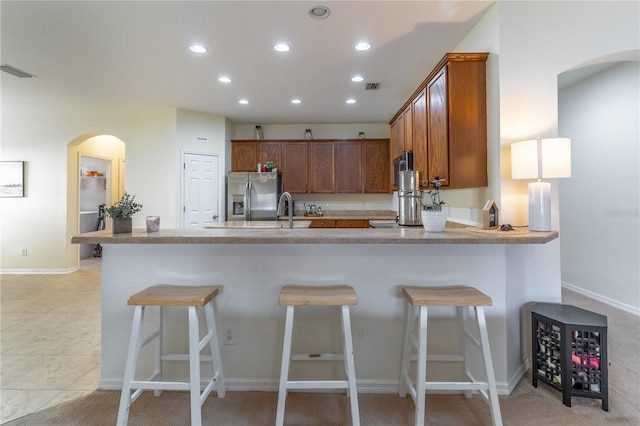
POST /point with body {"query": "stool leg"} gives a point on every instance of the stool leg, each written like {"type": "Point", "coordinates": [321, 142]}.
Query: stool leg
{"type": "Point", "coordinates": [496, 416]}
{"type": "Point", "coordinates": [351, 370]}
{"type": "Point", "coordinates": [284, 368]}
{"type": "Point", "coordinates": [194, 366]}
{"type": "Point", "coordinates": [130, 369]}
{"type": "Point", "coordinates": [462, 317]}
{"type": "Point", "coordinates": [214, 346]}
{"type": "Point", "coordinates": [407, 349]}
{"type": "Point", "coordinates": [421, 367]}
{"type": "Point", "coordinates": [157, 358]}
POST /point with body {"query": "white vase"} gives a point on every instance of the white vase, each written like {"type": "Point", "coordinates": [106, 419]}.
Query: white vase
{"type": "Point", "coordinates": [434, 221]}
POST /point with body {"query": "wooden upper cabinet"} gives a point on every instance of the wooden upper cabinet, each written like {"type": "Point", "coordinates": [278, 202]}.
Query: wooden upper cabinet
{"type": "Point", "coordinates": [419, 105]}
{"type": "Point", "coordinates": [244, 156]}
{"type": "Point", "coordinates": [449, 122]}
{"type": "Point", "coordinates": [270, 151]}
{"type": "Point", "coordinates": [349, 166]}
{"type": "Point", "coordinates": [438, 128]}
{"type": "Point", "coordinates": [295, 171]}
{"type": "Point", "coordinates": [375, 154]}
{"type": "Point", "coordinates": [322, 166]}
{"type": "Point", "coordinates": [397, 137]}
{"type": "Point", "coordinates": [407, 117]}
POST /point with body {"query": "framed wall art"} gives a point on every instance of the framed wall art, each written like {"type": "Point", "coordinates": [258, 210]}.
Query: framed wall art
{"type": "Point", "coordinates": [11, 178]}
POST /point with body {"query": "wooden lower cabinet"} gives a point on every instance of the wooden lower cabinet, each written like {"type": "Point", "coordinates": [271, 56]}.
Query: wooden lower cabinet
{"type": "Point", "coordinates": [339, 223]}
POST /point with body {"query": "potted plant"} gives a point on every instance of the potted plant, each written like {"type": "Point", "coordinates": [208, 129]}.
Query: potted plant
{"type": "Point", "coordinates": [270, 165]}
{"type": "Point", "coordinates": [121, 213]}
{"type": "Point", "coordinates": [434, 217]}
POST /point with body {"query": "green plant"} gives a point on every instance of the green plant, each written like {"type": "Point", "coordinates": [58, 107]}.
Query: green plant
{"type": "Point", "coordinates": [436, 202]}
{"type": "Point", "coordinates": [124, 208]}
{"type": "Point", "coordinates": [269, 165]}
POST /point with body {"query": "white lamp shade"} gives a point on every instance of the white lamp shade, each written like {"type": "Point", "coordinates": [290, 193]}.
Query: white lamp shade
{"type": "Point", "coordinates": [541, 158]}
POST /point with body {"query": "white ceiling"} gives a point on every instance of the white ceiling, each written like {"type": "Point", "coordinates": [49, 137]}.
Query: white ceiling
{"type": "Point", "coordinates": [135, 54]}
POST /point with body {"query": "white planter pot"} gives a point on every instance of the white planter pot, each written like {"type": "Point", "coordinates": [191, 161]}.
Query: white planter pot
{"type": "Point", "coordinates": [434, 221]}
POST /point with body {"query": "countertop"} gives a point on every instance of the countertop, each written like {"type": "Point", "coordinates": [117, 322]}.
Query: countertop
{"type": "Point", "coordinates": [301, 235]}
{"type": "Point", "coordinates": [346, 215]}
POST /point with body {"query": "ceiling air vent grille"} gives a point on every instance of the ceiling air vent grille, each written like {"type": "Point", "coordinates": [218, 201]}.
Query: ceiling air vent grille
{"type": "Point", "coordinates": [372, 86]}
{"type": "Point", "coordinates": [15, 71]}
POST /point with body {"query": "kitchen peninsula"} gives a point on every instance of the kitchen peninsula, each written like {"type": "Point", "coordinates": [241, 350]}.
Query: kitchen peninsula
{"type": "Point", "coordinates": [253, 263]}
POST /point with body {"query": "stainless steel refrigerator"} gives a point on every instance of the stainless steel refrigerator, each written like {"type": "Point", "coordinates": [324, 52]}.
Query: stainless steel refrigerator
{"type": "Point", "coordinates": [252, 195]}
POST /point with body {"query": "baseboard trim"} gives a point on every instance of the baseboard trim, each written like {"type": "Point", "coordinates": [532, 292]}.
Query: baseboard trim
{"type": "Point", "coordinates": [38, 271]}
{"type": "Point", "coordinates": [604, 299]}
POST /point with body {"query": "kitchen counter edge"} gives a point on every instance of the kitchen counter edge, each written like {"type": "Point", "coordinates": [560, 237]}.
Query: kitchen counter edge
{"type": "Point", "coordinates": [404, 235]}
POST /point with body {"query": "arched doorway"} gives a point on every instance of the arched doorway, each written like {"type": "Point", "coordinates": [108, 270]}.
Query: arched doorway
{"type": "Point", "coordinates": [110, 151]}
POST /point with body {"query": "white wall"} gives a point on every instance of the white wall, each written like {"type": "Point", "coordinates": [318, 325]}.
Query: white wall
{"type": "Point", "coordinates": [599, 213]}
{"type": "Point", "coordinates": [153, 138]}
{"type": "Point", "coordinates": [320, 131]}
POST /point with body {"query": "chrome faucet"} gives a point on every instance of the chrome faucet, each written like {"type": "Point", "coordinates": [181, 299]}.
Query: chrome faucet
{"type": "Point", "coordinates": [281, 207]}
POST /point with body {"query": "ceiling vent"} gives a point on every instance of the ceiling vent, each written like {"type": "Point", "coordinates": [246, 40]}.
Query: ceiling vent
{"type": "Point", "coordinates": [15, 71]}
{"type": "Point", "coordinates": [372, 86]}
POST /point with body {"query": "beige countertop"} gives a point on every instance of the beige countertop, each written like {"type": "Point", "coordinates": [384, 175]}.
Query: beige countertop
{"type": "Point", "coordinates": [303, 235]}
{"type": "Point", "coordinates": [259, 224]}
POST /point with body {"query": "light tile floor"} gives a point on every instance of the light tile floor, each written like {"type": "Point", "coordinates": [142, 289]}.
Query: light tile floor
{"type": "Point", "coordinates": [50, 339]}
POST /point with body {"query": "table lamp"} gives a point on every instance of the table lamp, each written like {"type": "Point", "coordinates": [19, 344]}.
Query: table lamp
{"type": "Point", "coordinates": [540, 159]}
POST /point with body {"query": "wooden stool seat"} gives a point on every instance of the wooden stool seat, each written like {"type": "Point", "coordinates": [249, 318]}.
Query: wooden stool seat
{"type": "Point", "coordinates": [458, 295]}
{"type": "Point", "coordinates": [341, 296]}
{"type": "Point", "coordinates": [174, 295]}
{"type": "Point", "coordinates": [159, 297]}
{"type": "Point", "coordinates": [465, 299]}
{"type": "Point", "coordinates": [335, 295]}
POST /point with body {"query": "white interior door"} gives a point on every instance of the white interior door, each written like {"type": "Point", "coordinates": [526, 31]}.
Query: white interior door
{"type": "Point", "coordinates": [201, 190]}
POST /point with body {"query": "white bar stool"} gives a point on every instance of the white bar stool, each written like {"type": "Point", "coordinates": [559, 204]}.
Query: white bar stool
{"type": "Point", "coordinates": [418, 299]}
{"type": "Point", "coordinates": [337, 295]}
{"type": "Point", "coordinates": [191, 297]}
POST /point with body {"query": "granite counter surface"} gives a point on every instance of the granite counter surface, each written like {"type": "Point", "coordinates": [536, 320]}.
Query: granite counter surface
{"type": "Point", "coordinates": [258, 235]}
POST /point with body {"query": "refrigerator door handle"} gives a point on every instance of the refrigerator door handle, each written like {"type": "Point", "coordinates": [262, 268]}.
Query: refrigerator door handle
{"type": "Point", "coordinates": [247, 201]}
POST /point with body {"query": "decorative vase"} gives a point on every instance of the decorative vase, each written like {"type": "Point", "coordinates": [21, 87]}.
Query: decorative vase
{"type": "Point", "coordinates": [122, 225]}
{"type": "Point", "coordinates": [434, 221]}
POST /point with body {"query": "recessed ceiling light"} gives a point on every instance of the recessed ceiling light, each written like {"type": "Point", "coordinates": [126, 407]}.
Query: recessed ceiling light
{"type": "Point", "coordinates": [357, 78]}
{"type": "Point", "coordinates": [351, 101]}
{"type": "Point", "coordinates": [363, 45]}
{"type": "Point", "coordinates": [282, 47]}
{"type": "Point", "coordinates": [319, 12]}
{"type": "Point", "coordinates": [196, 48]}
{"type": "Point", "coordinates": [296, 101]}
{"type": "Point", "coordinates": [224, 79]}
{"type": "Point", "coordinates": [243, 101]}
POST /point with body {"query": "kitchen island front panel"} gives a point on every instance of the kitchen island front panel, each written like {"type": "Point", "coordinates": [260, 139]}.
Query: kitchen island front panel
{"type": "Point", "coordinates": [252, 275]}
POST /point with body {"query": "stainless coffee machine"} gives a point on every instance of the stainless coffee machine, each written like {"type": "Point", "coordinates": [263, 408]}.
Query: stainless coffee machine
{"type": "Point", "coordinates": [409, 198]}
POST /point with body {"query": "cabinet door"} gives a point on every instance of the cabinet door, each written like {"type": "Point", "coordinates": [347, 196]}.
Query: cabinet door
{"type": "Point", "coordinates": [397, 131]}
{"type": "Point", "coordinates": [295, 174]}
{"type": "Point", "coordinates": [243, 156]}
{"type": "Point", "coordinates": [349, 167]}
{"type": "Point", "coordinates": [270, 151]}
{"type": "Point", "coordinates": [322, 164]}
{"type": "Point", "coordinates": [438, 128]}
{"type": "Point", "coordinates": [420, 136]}
{"type": "Point", "coordinates": [322, 223]}
{"type": "Point", "coordinates": [408, 128]}
{"type": "Point", "coordinates": [376, 165]}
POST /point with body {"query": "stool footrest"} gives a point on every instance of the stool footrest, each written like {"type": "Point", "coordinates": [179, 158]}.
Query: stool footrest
{"type": "Point", "coordinates": [456, 386]}
{"type": "Point", "coordinates": [184, 357]}
{"type": "Point", "coordinates": [441, 358]}
{"type": "Point", "coordinates": [317, 357]}
{"type": "Point", "coordinates": [157, 385]}
{"type": "Point", "coordinates": [317, 384]}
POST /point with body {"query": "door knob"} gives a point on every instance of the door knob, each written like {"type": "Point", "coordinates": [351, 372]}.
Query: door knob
{"type": "Point", "coordinates": [215, 217]}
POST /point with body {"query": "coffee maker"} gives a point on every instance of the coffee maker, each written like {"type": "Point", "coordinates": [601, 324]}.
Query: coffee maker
{"type": "Point", "coordinates": [409, 198]}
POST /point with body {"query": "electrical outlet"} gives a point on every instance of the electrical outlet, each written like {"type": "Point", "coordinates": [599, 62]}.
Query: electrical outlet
{"type": "Point", "coordinates": [229, 336]}
{"type": "Point", "coordinates": [24, 252]}
{"type": "Point", "coordinates": [472, 213]}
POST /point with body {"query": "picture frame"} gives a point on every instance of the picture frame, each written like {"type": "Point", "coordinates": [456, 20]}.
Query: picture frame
{"type": "Point", "coordinates": [11, 179]}
{"type": "Point", "coordinates": [490, 215]}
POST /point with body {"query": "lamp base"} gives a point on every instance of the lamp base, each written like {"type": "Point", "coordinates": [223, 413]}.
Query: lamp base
{"type": "Point", "coordinates": [540, 206]}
